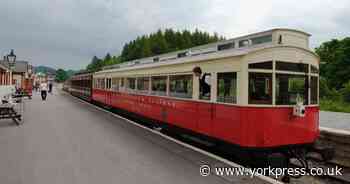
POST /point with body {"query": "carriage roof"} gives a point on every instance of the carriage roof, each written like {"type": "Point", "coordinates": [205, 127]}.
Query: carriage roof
{"type": "Point", "coordinates": [292, 38]}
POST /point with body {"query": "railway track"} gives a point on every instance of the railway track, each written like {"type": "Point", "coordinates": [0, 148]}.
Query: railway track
{"type": "Point", "coordinates": [340, 141]}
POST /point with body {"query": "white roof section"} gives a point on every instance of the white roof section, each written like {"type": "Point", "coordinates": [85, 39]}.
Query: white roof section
{"type": "Point", "coordinates": [205, 52]}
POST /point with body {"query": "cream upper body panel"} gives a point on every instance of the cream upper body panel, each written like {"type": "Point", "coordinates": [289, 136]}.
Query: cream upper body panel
{"type": "Point", "coordinates": [295, 38]}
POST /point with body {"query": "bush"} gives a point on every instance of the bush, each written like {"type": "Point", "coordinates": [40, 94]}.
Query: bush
{"type": "Point", "coordinates": [335, 95]}
{"type": "Point", "coordinates": [324, 89]}
{"type": "Point", "coordinates": [336, 106]}
{"type": "Point", "coordinates": [346, 92]}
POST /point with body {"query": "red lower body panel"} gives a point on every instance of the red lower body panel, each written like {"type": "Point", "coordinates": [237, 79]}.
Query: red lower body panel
{"type": "Point", "coordinates": [243, 126]}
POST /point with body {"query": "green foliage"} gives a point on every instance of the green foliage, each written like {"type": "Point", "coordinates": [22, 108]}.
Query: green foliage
{"type": "Point", "coordinates": [335, 75]}
{"type": "Point", "coordinates": [324, 89]}
{"type": "Point", "coordinates": [335, 62]}
{"type": "Point", "coordinates": [346, 92]}
{"type": "Point", "coordinates": [332, 105]}
{"type": "Point", "coordinates": [163, 42]}
{"type": "Point", "coordinates": [154, 44]}
{"type": "Point", "coordinates": [61, 75]}
{"type": "Point", "coordinates": [95, 64]}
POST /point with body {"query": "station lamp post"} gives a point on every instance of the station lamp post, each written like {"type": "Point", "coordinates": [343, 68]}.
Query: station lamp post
{"type": "Point", "coordinates": [30, 70]}
{"type": "Point", "coordinates": [11, 59]}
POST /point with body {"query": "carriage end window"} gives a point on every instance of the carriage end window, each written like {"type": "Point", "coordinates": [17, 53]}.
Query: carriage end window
{"type": "Point", "coordinates": [314, 90]}
{"type": "Point", "coordinates": [181, 86]}
{"type": "Point", "coordinates": [260, 88]}
{"type": "Point", "coordinates": [314, 69]}
{"type": "Point", "coordinates": [159, 84]}
{"type": "Point", "coordinates": [291, 87]}
{"type": "Point", "coordinates": [226, 87]}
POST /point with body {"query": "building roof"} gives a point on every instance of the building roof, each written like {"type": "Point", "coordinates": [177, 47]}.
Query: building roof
{"type": "Point", "coordinates": [3, 67]}
{"type": "Point", "coordinates": [20, 66]}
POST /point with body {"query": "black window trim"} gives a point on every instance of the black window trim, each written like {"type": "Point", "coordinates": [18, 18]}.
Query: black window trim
{"type": "Point", "coordinates": [290, 71]}
{"type": "Point", "coordinates": [260, 62]}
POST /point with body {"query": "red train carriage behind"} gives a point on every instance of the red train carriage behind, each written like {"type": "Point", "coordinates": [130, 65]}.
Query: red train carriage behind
{"type": "Point", "coordinates": [80, 85]}
{"type": "Point", "coordinates": [256, 94]}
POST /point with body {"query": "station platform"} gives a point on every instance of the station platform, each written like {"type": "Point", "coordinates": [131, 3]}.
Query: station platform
{"type": "Point", "coordinates": [335, 120]}
{"type": "Point", "coordinates": [66, 141]}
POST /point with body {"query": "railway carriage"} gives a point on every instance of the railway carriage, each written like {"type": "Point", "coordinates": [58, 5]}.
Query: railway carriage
{"type": "Point", "coordinates": [80, 85]}
{"type": "Point", "coordinates": [257, 93]}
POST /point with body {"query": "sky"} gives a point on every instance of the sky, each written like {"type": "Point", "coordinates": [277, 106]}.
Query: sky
{"type": "Point", "coordinates": [68, 33]}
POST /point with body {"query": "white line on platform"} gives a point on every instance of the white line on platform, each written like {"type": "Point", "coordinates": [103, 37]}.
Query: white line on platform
{"type": "Point", "coordinates": [337, 131]}
{"type": "Point", "coordinates": [232, 164]}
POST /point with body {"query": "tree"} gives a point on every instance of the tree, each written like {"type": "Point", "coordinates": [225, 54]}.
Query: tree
{"type": "Point", "coordinates": [335, 62]}
{"type": "Point", "coordinates": [61, 75]}
{"type": "Point", "coordinates": [153, 44]}
{"type": "Point", "coordinates": [95, 64]}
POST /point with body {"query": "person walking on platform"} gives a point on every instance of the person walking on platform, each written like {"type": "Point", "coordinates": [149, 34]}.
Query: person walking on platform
{"type": "Point", "coordinates": [43, 89]}
{"type": "Point", "coordinates": [50, 87]}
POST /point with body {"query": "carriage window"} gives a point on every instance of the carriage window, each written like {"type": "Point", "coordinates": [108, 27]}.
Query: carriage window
{"type": "Point", "coordinates": [227, 85]}
{"type": "Point", "coordinates": [262, 39]}
{"type": "Point", "coordinates": [205, 86]}
{"type": "Point", "coordinates": [102, 83]}
{"type": "Point", "coordinates": [291, 87]}
{"type": "Point", "coordinates": [262, 65]}
{"type": "Point", "coordinates": [159, 85]}
{"type": "Point", "coordinates": [108, 83]}
{"type": "Point", "coordinates": [226, 46]}
{"type": "Point", "coordinates": [260, 88]}
{"type": "Point", "coordinates": [182, 54]}
{"type": "Point", "coordinates": [115, 84]}
{"type": "Point", "coordinates": [143, 84]}
{"type": "Point", "coordinates": [243, 43]}
{"type": "Point", "coordinates": [314, 69]}
{"type": "Point", "coordinates": [293, 67]}
{"type": "Point", "coordinates": [314, 90]}
{"type": "Point", "coordinates": [122, 82]}
{"type": "Point", "coordinates": [131, 83]}
{"type": "Point", "coordinates": [181, 86]}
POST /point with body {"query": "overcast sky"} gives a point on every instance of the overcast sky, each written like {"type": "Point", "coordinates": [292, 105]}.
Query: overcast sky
{"type": "Point", "coordinates": [68, 33]}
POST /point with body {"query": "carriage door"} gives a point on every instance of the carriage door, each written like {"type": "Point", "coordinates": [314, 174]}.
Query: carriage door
{"type": "Point", "coordinates": [205, 108]}
{"type": "Point", "coordinates": [108, 91]}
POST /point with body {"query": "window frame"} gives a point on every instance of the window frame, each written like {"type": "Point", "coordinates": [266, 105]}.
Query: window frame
{"type": "Point", "coordinates": [250, 102]}
{"type": "Point", "coordinates": [170, 94]}
{"type": "Point", "coordinates": [236, 88]}
{"type": "Point", "coordinates": [141, 91]}
{"type": "Point", "coordinates": [159, 93]}
{"type": "Point", "coordinates": [306, 85]}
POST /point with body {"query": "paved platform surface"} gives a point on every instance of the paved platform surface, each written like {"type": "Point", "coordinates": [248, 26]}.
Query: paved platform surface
{"type": "Point", "coordinates": [64, 141]}
{"type": "Point", "coordinates": [335, 120]}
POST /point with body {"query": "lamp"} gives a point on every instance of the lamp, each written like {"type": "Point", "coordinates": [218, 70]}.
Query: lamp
{"type": "Point", "coordinates": [11, 58]}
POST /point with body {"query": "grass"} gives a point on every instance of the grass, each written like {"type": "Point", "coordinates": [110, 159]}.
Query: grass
{"type": "Point", "coordinates": [335, 106]}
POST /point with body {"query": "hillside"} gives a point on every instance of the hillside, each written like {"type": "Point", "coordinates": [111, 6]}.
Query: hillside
{"type": "Point", "coordinates": [44, 69]}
